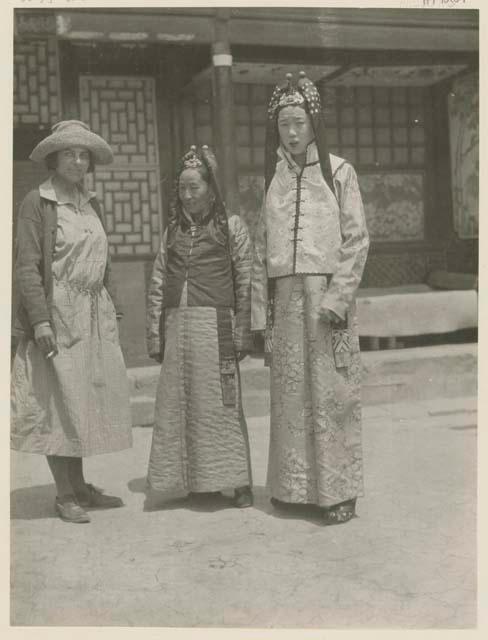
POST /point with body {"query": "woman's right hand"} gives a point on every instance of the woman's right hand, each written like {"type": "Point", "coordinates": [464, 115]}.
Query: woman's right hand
{"type": "Point", "coordinates": [45, 340]}
{"type": "Point", "coordinates": [157, 357]}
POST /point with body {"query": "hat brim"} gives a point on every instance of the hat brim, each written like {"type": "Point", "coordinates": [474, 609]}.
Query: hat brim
{"type": "Point", "coordinates": [59, 140]}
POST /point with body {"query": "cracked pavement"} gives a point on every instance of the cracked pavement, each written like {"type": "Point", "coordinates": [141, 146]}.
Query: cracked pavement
{"type": "Point", "coordinates": [408, 561]}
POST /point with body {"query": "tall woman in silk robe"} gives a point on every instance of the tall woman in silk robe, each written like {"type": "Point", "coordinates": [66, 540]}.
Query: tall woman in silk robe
{"type": "Point", "coordinates": [199, 327]}
{"type": "Point", "coordinates": [310, 249]}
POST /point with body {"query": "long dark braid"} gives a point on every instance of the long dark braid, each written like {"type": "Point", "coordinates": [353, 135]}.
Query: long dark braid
{"type": "Point", "coordinates": [220, 211]}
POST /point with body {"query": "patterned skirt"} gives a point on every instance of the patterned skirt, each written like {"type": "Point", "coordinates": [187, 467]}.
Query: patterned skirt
{"type": "Point", "coordinates": [200, 440]}
{"type": "Point", "coordinates": [315, 453]}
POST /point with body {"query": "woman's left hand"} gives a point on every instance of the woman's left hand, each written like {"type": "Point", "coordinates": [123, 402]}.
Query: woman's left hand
{"type": "Point", "coordinates": [240, 355]}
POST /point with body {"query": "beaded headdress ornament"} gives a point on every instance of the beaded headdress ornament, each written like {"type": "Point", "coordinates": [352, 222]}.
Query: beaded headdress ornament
{"type": "Point", "coordinates": [191, 160]}
{"type": "Point", "coordinates": [304, 94]}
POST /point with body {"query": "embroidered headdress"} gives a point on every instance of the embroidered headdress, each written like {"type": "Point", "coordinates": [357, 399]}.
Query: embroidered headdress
{"type": "Point", "coordinates": [191, 160]}
{"type": "Point", "coordinates": [306, 95]}
{"type": "Point", "coordinates": [205, 162]}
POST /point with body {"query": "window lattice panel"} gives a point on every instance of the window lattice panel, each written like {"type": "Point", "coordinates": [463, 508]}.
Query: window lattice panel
{"type": "Point", "coordinates": [376, 126]}
{"type": "Point", "coordinates": [36, 86]}
{"type": "Point", "coordinates": [122, 110]}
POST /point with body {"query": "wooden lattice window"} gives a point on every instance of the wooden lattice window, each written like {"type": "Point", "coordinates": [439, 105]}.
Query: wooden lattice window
{"type": "Point", "coordinates": [377, 127]}
{"type": "Point", "coordinates": [36, 85]}
{"type": "Point", "coordinates": [123, 110]}
{"type": "Point", "coordinates": [251, 102]}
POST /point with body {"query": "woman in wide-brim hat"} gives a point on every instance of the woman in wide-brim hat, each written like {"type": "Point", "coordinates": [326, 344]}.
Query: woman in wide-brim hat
{"type": "Point", "coordinates": [311, 245]}
{"type": "Point", "coordinates": [69, 390]}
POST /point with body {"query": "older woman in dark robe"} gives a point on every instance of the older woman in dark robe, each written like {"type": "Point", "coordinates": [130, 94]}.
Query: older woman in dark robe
{"type": "Point", "coordinates": [199, 327]}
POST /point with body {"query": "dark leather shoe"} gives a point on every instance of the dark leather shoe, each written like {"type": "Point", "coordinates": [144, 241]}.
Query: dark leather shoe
{"type": "Point", "coordinates": [94, 498]}
{"type": "Point", "coordinates": [69, 510]}
{"type": "Point", "coordinates": [279, 504]}
{"type": "Point", "coordinates": [243, 497]}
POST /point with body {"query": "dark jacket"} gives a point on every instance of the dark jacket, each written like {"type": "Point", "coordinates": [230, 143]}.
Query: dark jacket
{"type": "Point", "coordinates": [198, 255]}
{"type": "Point", "coordinates": [202, 264]}
{"type": "Point", "coordinates": [34, 250]}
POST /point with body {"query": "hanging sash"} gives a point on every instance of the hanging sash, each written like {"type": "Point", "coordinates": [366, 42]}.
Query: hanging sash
{"type": "Point", "coordinates": [227, 358]}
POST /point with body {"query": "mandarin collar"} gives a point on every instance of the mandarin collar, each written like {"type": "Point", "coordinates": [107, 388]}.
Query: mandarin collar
{"type": "Point", "coordinates": [312, 156]}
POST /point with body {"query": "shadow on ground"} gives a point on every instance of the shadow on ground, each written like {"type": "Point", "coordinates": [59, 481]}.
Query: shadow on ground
{"type": "Point", "coordinates": [33, 503]}
{"type": "Point", "coordinates": [156, 501]}
{"type": "Point", "coordinates": [306, 512]}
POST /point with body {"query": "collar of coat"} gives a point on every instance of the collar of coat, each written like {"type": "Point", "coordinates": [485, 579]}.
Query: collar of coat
{"type": "Point", "coordinates": [48, 192]}
{"type": "Point", "coordinates": [312, 158]}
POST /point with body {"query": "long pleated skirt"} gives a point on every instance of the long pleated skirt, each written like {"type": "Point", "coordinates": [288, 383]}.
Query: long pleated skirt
{"type": "Point", "coordinates": [200, 440]}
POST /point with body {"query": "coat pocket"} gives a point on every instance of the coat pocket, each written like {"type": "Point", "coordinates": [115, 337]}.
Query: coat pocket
{"type": "Point", "coordinates": [66, 325]}
{"type": "Point", "coordinates": [107, 319]}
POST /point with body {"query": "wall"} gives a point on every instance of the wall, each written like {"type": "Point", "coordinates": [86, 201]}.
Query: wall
{"type": "Point", "coordinates": [130, 279]}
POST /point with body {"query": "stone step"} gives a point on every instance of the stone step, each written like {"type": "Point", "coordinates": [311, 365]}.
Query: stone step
{"type": "Point", "coordinates": [456, 413]}
{"type": "Point", "coordinates": [452, 406]}
{"type": "Point", "coordinates": [142, 409]}
{"type": "Point", "coordinates": [421, 374]}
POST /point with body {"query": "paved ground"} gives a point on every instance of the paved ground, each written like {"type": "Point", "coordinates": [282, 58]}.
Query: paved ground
{"type": "Point", "coordinates": [408, 561]}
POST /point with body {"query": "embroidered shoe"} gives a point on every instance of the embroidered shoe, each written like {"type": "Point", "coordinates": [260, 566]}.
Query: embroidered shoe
{"type": "Point", "coordinates": [340, 513]}
{"type": "Point", "coordinates": [69, 510]}
{"type": "Point", "coordinates": [243, 497]}
{"type": "Point", "coordinates": [94, 498]}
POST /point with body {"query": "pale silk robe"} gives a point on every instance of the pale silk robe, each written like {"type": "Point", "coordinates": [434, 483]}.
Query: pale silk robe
{"type": "Point", "coordinates": [312, 245]}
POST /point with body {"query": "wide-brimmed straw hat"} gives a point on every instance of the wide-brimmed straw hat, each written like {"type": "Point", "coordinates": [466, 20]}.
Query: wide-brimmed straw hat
{"type": "Point", "coordinates": [73, 133]}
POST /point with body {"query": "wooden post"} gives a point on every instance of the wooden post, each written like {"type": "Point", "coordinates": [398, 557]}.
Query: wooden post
{"type": "Point", "coordinates": [223, 103]}
{"type": "Point", "coordinates": [166, 148]}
